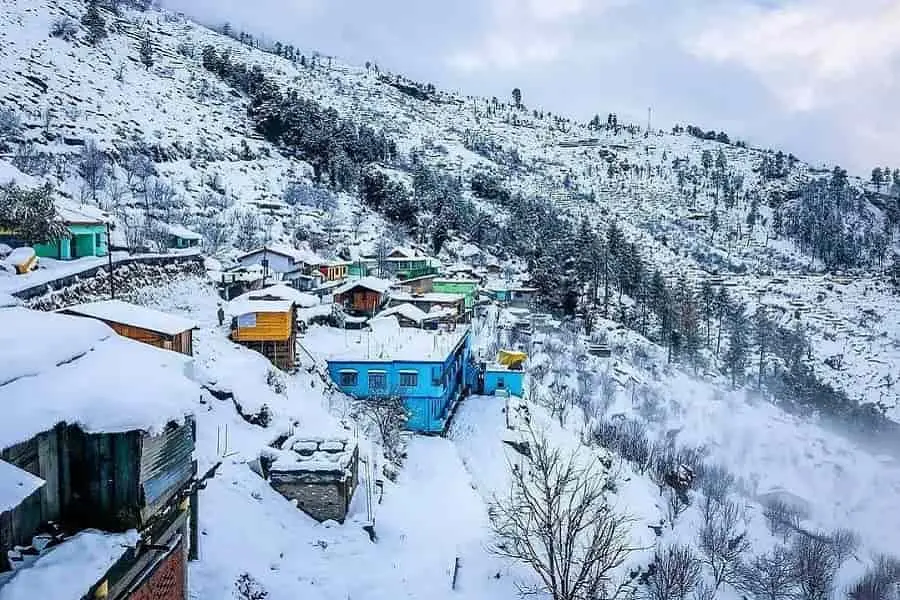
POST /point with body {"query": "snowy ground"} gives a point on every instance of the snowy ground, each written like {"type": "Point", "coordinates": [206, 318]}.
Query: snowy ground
{"type": "Point", "coordinates": [430, 516]}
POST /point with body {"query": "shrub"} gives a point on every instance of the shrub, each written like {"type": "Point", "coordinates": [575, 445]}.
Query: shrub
{"type": "Point", "coordinates": [64, 28]}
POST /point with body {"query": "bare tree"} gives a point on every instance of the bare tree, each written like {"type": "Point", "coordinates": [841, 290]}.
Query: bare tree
{"type": "Point", "coordinates": [92, 167]}
{"type": "Point", "coordinates": [814, 566]}
{"type": "Point", "coordinates": [10, 124]}
{"type": "Point", "coordinates": [880, 582]}
{"type": "Point", "coordinates": [215, 233]}
{"type": "Point", "coordinates": [768, 576]}
{"type": "Point", "coordinates": [356, 220]}
{"type": "Point", "coordinates": [557, 521]}
{"type": "Point", "coordinates": [676, 503]}
{"type": "Point", "coordinates": [388, 414]}
{"type": "Point", "coordinates": [721, 541]}
{"type": "Point", "coordinates": [674, 575]}
{"type": "Point", "coordinates": [383, 247]}
{"type": "Point", "coordinates": [248, 230]}
{"type": "Point", "coordinates": [717, 482]}
{"type": "Point", "coordinates": [844, 542]}
{"type": "Point", "coordinates": [160, 198]}
{"type": "Point", "coordinates": [782, 518]}
{"type": "Point", "coordinates": [116, 190]}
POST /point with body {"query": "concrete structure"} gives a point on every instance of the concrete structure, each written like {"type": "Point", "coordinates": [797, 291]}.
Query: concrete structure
{"type": "Point", "coordinates": [320, 474]}
{"type": "Point", "coordinates": [430, 371]}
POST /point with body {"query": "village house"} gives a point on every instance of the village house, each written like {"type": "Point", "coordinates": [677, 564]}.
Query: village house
{"type": "Point", "coordinates": [87, 234]}
{"type": "Point", "coordinates": [404, 263]}
{"type": "Point", "coordinates": [454, 303]}
{"type": "Point", "coordinates": [141, 324]}
{"type": "Point", "coordinates": [408, 315]}
{"type": "Point", "coordinates": [266, 326]}
{"type": "Point", "coordinates": [506, 374]}
{"type": "Point", "coordinates": [334, 270]}
{"type": "Point", "coordinates": [363, 297]}
{"type": "Point", "coordinates": [429, 371]}
{"type": "Point", "coordinates": [303, 280]}
{"type": "Point", "coordinates": [319, 474]}
{"type": "Point", "coordinates": [280, 258]}
{"type": "Point", "coordinates": [512, 295]}
{"type": "Point", "coordinates": [182, 238]}
{"type": "Point", "coordinates": [96, 462]}
{"type": "Point", "coordinates": [467, 287]}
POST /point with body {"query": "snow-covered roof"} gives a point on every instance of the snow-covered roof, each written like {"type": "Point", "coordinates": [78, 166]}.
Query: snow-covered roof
{"type": "Point", "coordinates": [413, 313]}
{"type": "Point", "coordinates": [403, 252]}
{"type": "Point", "coordinates": [16, 485]}
{"type": "Point", "coordinates": [433, 297]}
{"type": "Point", "coordinates": [74, 213]}
{"type": "Point", "coordinates": [384, 341]}
{"type": "Point", "coordinates": [57, 368]}
{"type": "Point", "coordinates": [370, 283]}
{"type": "Point", "coordinates": [69, 570]}
{"type": "Point", "coordinates": [133, 315]}
{"type": "Point", "coordinates": [280, 291]}
{"type": "Point", "coordinates": [238, 307]}
{"type": "Point", "coordinates": [457, 280]}
{"type": "Point", "coordinates": [183, 232]}
{"type": "Point", "coordinates": [313, 455]}
{"type": "Point", "coordinates": [298, 255]}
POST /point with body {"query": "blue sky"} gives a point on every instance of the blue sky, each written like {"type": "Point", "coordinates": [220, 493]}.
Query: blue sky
{"type": "Point", "coordinates": [820, 78]}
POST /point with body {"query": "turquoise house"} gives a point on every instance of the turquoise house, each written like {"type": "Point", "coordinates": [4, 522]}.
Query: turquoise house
{"type": "Point", "coordinates": [429, 370]}
{"type": "Point", "coordinates": [466, 287]}
{"type": "Point", "coordinates": [87, 234]}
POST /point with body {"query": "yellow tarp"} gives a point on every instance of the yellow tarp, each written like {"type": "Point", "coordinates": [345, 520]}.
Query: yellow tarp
{"type": "Point", "coordinates": [511, 358]}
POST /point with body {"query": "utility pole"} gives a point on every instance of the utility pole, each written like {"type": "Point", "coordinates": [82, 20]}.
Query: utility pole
{"type": "Point", "coordinates": [112, 287]}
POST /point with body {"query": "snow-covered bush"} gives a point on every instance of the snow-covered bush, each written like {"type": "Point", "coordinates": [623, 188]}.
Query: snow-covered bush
{"type": "Point", "coordinates": [10, 124]}
{"type": "Point", "coordinates": [64, 28]}
{"type": "Point", "coordinates": [246, 587]}
{"type": "Point", "coordinates": [722, 540]}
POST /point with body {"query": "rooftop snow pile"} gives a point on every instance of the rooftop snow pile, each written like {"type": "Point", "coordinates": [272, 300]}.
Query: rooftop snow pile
{"type": "Point", "coordinates": [134, 315]}
{"type": "Point", "coordinates": [370, 283]}
{"type": "Point", "coordinates": [239, 307]}
{"type": "Point", "coordinates": [69, 570]}
{"type": "Point", "coordinates": [332, 455]}
{"type": "Point", "coordinates": [280, 291]}
{"type": "Point", "coordinates": [56, 368]}
{"type": "Point", "coordinates": [385, 341]}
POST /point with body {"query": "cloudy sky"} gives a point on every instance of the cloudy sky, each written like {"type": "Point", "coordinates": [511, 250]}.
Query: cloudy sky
{"type": "Point", "coordinates": [820, 78]}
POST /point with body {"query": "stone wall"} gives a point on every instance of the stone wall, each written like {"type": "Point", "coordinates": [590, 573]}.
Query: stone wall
{"type": "Point", "coordinates": [321, 500]}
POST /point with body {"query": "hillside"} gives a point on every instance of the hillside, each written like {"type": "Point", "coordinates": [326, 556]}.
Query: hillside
{"type": "Point", "coordinates": [747, 296]}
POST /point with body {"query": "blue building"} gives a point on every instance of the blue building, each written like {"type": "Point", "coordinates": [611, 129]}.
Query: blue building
{"type": "Point", "coordinates": [429, 370]}
{"type": "Point", "coordinates": [498, 377]}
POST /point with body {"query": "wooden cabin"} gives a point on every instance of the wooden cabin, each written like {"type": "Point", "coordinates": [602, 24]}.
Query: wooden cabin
{"type": "Point", "coordinates": [266, 326]}
{"type": "Point", "coordinates": [97, 435]}
{"type": "Point", "coordinates": [141, 324]}
{"type": "Point", "coordinates": [362, 297]}
{"type": "Point", "coordinates": [334, 270]}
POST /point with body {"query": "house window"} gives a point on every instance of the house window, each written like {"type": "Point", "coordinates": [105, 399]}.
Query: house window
{"type": "Point", "coordinates": [500, 384]}
{"type": "Point", "coordinates": [409, 379]}
{"type": "Point", "coordinates": [377, 381]}
{"type": "Point", "coordinates": [349, 378]}
{"type": "Point", "coordinates": [436, 376]}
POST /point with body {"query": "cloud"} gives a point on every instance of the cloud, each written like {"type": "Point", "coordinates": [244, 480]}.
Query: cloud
{"type": "Point", "coordinates": [817, 78]}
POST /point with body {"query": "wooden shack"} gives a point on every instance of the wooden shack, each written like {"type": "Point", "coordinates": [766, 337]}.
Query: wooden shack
{"type": "Point", "coordinates": [362, 297]}
{"type": "Point", "coordinates": [266, 326]}
{"type": "Point", "coordinates": [141, 324]}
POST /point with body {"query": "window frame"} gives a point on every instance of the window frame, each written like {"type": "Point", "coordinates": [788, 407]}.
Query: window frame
{"type": "Point", "coordinates": [415, 379]}
{"type": "Point", "coordinates": [348, 372]}
{"type": "Point", "coordinates": [377, 373]}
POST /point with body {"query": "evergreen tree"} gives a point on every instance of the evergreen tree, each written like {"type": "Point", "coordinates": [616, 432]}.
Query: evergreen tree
{"type": "Point", "coordinates": [877, 177]}
{"type": "Point", "coordinates": [707, 303]}
{"type": "Point", "coordinates": [721, 307]}
{"type": "Point", "coordinates": [763, 330]}
{"type": "Point", "coordinates": [31, 214]}
{"type": "Point", "coordinates": [735, 357]}
{"type": "Point", "coordinates": [146, 52]}
{"type": "Point", "coordinates": [517, 97]}
{"type": "Point", "coordinates": [94, 23]}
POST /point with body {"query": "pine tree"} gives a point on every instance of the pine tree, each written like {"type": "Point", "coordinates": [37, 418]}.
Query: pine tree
{"type": "Point", "coordinates": [707, 301]}
{"type": "Point", "coordinates": [721, 307]}
{"type": "Point", "coordinates": [735, 357]}
{"type": "Point", "coordinates": [31, 214]}
{"type": "Point", "coordinates": [763, 332]}
{"type": "Point", "coordinates": [94, 23]}
{"type": "Point", "coordinates": [146, 52]}
{"type": "Point", "coordinates": [517, 97]}
{"type": "Point", "coordinates": [877, 177]}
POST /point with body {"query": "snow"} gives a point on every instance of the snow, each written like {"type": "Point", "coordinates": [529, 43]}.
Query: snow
{"type": "Point", "coordinates": [433, 297]}
{"type": "Point", "coordinates": [83, 214]}
{"type": "Point", "coordinates": [7, 301]}
{"type": "Point", "coordinates": [409, 311]}
{"type": "Point", "coordinates": [300, 256]}
{"type": "Point", "coordinates": [319, 455]}
{"type": "Point", "coordinates": [133, 315]}
{"type": "Point", "coordinates": [386, 341]}
{"type": "Point", "coordinates": [370, 283]}
{"type": "Point", "coordinates": [280, 291]}
{"type": "Point", "coordinates": [237, 308]}
{"type": "Point", "coordinates": [69, 570]}
{"type": "Point", "coordinates": [55, 368]}
{"type": "Point", "coordinates": [16, 485]}
{"type": "Point", "coordinates": [183, 232]}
